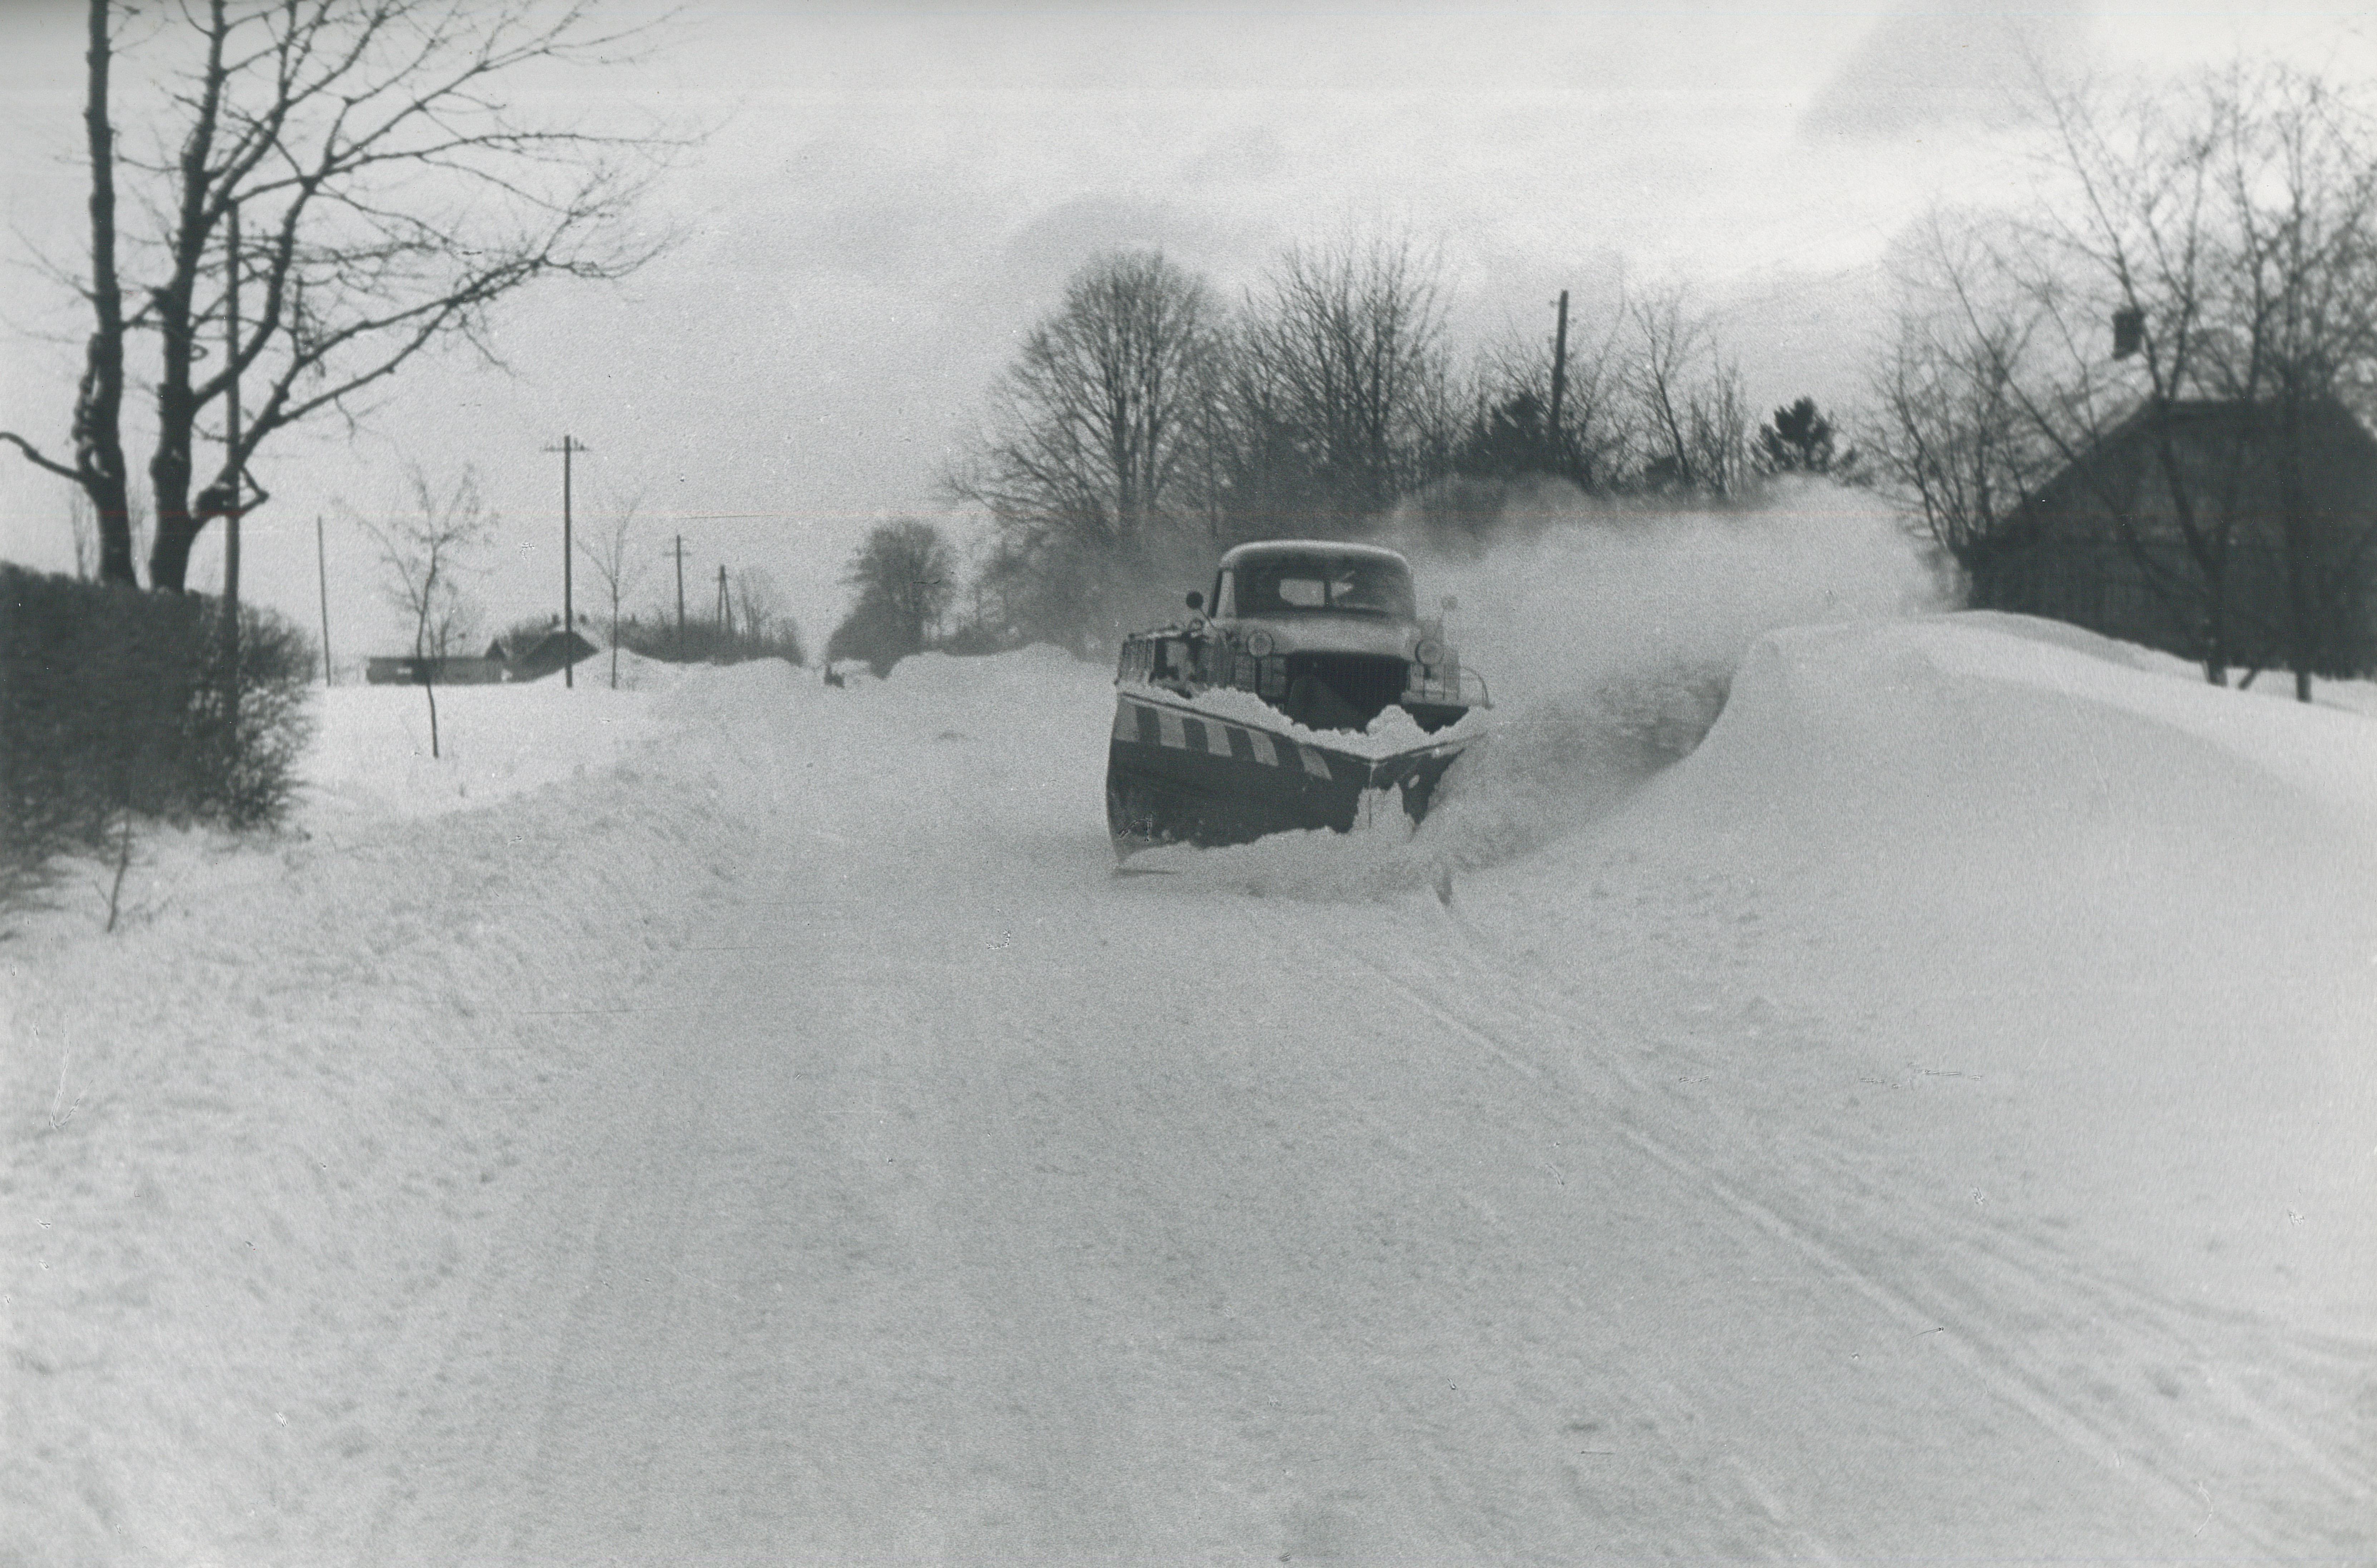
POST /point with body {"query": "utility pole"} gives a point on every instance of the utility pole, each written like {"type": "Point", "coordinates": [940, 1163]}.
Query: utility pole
{"type": "Point", "coordinates": [725, 609]}
{"type": "Point", "coordinates": [680, 596]}
{"type": "Point", "coordinates": [232, 463]}
{"type": "Point", "coordinates": [569, 608]}
{"type": "Point", "coordinates": [230, 419]}
{"type": "Point", "coordinates": [322, 570]}
{"type": "Point", "coordinates": [1560, 378]}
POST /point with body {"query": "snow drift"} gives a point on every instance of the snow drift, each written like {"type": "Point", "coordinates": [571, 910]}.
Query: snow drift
{"type": "Point", "coordinates": [2133, 905]}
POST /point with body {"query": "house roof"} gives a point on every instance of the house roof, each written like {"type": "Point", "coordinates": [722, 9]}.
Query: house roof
{"type": "Point", "coordinates": [551, 644]}
{"type": "Point", "coordinates": [2326, 416]}
{"type": "Point", "coordinates": [2332, 429]}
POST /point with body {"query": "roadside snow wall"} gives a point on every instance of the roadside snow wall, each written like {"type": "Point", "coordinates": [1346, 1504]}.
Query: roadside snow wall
{"type": "Point", "coordinates": [2130, 912]}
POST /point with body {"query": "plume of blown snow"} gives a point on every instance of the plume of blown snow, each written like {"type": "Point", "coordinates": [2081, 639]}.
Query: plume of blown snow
{"type": "Point", "coordinates": [1598, 594]}
{"type": "Point", "coordinates": [1609, 640]}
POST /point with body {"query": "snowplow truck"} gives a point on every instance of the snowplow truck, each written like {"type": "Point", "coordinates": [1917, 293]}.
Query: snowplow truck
{"type": "Point", "coordinates": [1323, 638]}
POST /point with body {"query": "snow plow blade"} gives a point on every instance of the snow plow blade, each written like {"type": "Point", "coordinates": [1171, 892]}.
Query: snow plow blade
{"type": "Point", "coordinates": [1175, 775]}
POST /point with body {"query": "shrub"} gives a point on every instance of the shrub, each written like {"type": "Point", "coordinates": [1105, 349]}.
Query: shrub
{"type": "Point", "coordinates": [113, 703]}
{"type": "Point", "coordinates": [246, 775]}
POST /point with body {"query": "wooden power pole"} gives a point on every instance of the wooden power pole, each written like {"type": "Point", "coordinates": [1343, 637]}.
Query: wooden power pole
{"type": "Point", "coordinates": [322, 571]}
{"type": "Point", "coordinates": [230, 415]}
{"type": "Point", "coordinates": [235, 470]}
{"type": "Point", "coordinates": [569, 448]}
{"type": "Point", "coordinates": [680, 596]}
{"type": "Point", "coordinates": [1560, 379]}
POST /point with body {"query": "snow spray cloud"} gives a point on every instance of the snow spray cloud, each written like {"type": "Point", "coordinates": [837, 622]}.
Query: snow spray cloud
{"type": "Point", "coordinates": [1608, 639]}
{"type": "Point", "coordinates": [1610, 636]}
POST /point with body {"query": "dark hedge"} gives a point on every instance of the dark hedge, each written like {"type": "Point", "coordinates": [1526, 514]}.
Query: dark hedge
{"type": "Point", "coordinates": [113, 701]}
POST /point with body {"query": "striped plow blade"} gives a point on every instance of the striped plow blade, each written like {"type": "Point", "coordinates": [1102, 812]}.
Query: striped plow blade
{"type": "Point", "coordinates": [1150, 725]}
{"type": "Point", "coordinates": [1173, 774]}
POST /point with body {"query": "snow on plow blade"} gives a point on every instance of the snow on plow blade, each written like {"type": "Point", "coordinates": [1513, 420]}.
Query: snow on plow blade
{"type": "Point", "coordinates": [1175, 775]}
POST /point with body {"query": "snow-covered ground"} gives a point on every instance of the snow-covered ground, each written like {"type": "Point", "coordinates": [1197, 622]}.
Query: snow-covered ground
{"type": "Point", "coordinates": [735, 1120]}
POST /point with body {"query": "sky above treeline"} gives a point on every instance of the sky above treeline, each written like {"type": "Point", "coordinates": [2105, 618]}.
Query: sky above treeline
{"type": "Point", "coordinates": [887, 197]}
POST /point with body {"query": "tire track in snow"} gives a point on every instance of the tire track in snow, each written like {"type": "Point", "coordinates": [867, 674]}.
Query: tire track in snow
{"type": "Point", "coordinates": [1980, 1361]}
{"type": "Point", "coordinates": [1749, 1493]}
{"type": "Point", "coordinates": [1996, 1360]}
{"type": "Point", "coordinates": [1508, 1305]}
{"type": "Point", "coordinates": [2157, 1330]}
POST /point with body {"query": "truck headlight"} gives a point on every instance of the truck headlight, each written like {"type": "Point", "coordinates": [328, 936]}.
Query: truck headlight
{"type": "Point", "coordinates": [1429, 652]}
{"type": "Point", "coordinates": [1259, 643]}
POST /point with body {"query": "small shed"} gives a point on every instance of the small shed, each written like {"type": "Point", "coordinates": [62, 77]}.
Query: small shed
{"type": "Point", "coordinates": [404, 669]}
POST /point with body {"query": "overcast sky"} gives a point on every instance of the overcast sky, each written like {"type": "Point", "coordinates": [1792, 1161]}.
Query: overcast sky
{"type": "Point", "coordinates": [893, 194]}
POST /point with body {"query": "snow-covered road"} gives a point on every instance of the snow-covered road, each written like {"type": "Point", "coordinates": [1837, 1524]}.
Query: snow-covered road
{"type": "Point", "coordinates": [869, 1250]}
{"type": "Point", "coordinates": [926, 1192]}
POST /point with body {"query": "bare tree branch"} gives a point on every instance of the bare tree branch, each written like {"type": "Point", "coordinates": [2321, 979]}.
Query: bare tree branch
{"type": "Point", "coordinates": [392, 195]}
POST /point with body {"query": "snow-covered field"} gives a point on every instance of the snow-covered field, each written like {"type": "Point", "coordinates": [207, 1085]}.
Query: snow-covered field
{"type": "Point", "coordinates": [735, 1121]}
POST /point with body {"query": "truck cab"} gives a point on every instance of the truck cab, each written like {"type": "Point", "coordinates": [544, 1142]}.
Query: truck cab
{"type": "Point", "coordinates": [1329, 634]}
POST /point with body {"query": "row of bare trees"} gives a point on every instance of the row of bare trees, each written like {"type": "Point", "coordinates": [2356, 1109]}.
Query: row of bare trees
{"type": "Point", "coordinates": [1145, 423]}
{"type": "Point", "coordinates": [2197, 282]}
{"type": "Point", "coordinates": [747, 620]}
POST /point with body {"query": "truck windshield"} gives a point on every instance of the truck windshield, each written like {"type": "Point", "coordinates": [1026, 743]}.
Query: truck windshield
{"type": "Point", "coordinates": [1285, 584]}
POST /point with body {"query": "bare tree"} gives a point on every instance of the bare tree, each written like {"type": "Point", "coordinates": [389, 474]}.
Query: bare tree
{"type": "Point", "coordinates": [1718, 414]}
{"type": "Point", "coordinates": [1948, 437]}
{"type": "Point", "coordinates": [1089, 427]}
{"type": "Point", "coordinates": [390, 194]}
{"type": "Point", "coordinates": [2130, 232]}
{"type": "Point", "coordinates": [98, 464]}
{"type": "Point", "coordinates": [905, 576]}
{"type": "Point", "coordinates": [2293, 327]}
{"type": "Point", "coordinates": [425, 550]}
{"type": "Point", "coordinates": [757, 602]}
{"type": "Point", "coordinates": [1342, 365]}
{"type": "Point", "coordinates": [1693, 414]}
{"type": "Point", "coordinates": [616, 565]}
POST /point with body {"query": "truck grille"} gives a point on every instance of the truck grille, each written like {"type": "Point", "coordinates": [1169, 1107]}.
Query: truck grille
{"type": "Point", "coordinates": [1365, 684]}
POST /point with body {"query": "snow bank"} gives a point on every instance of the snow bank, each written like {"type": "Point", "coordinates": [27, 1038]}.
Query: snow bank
{"type": "Point", "coordinates": [371, 756]}
{"type": "Point", "coordinates": [253, 1137]}
{"type": "Point", "coordinates": [2129, 909]}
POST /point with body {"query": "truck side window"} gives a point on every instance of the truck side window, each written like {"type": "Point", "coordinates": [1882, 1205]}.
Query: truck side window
{"type": "Point", "coordinates": [1226, 594]}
